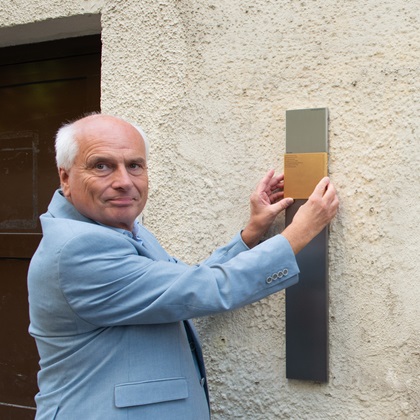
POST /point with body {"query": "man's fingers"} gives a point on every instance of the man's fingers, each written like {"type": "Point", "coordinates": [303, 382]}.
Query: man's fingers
{"type": "Point", "coordinates": [276, 181]}
{"type": "Point", "coordinates": [330, 192]}
{"type": "Point", "coordinates": [321, 186]}
{"type": "Point", "coordinates": [265, 182]}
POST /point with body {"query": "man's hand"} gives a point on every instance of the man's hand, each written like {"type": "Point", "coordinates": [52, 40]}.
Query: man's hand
{"type": "Point", "coordinates": [313, 216]}
{"type": "Point", "coordinates": [266, 203]}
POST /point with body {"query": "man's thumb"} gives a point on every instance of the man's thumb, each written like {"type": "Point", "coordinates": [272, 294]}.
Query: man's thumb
{"type": "Point", "coordinates": [286, 202]}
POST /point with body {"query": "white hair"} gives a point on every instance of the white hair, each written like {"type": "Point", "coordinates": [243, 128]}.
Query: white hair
{"type": "Point", "coordinates": [67, 147]}
{"type": "Point", "coordinates": [143, 135]}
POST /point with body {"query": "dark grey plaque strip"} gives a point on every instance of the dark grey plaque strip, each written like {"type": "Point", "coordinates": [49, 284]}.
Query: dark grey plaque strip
{"type": "Point", "coordinates": [307, 301]}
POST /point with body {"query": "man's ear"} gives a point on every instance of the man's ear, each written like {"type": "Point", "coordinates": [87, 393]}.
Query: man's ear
{"type": "Point", "coordinates": [64, 181]}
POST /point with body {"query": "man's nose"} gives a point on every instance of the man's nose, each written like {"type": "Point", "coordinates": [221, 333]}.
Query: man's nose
{"type": "Point", "coordinates": [121, 178]}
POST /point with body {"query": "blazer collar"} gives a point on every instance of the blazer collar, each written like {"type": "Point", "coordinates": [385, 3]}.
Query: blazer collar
{"type": "Point", "coordinates": [60, 207]}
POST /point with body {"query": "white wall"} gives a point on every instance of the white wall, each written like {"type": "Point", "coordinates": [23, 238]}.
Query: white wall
{"type": "Point", "coordinates": [210, 82]}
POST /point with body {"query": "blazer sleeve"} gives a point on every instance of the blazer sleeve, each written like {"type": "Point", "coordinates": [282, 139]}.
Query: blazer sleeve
{"type": "Point", "coordinates": [114, 285]}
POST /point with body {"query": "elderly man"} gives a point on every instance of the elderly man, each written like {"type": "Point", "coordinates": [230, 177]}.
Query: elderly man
{"type": "Point", "coordinates": [109, 308]}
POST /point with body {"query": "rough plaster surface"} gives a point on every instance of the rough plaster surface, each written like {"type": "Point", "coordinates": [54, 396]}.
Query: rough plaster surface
{"type": "Point", "coordinates": [210, 82]}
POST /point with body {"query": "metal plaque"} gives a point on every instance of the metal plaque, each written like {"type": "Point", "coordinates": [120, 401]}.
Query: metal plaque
{"type": "Point", "coordinates": [307, 301]}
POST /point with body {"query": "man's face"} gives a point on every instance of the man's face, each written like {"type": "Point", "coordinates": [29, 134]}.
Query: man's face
{"type": "Point", "coordinates": [108, 181]}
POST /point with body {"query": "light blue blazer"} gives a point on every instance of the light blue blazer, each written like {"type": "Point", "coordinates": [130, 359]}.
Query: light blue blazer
{"type": "Point", "coordinates": [106, 311]}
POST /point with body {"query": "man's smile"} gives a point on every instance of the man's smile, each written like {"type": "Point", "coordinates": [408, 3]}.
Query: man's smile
{"type": "Point", "coordinates": [122, 201]}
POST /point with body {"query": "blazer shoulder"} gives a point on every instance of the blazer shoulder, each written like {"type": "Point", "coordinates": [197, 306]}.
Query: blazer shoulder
{"type": "Point", "coordinates": [59, 231]}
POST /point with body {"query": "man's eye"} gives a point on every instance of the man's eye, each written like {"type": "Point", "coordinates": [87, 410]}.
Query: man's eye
{"type": "Point", "coordinates": [136, 167]}
{"type": "Point", "coordinates": [101, 167]}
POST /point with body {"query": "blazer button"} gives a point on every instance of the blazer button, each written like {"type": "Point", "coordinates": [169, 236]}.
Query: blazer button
{"type": "Point", "coordinates": [275, 276]}
{"type": "Point", "coordinates": [285, 272]}
{"type": "Point", "coordinates": [280, 274]}
{"type": "Point", "coordinates": [202, 381]}
{"type": "Point", "coordinates": [269, 280]}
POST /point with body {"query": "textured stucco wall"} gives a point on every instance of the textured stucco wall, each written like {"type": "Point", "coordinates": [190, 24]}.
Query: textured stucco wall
{"type": "Point", "coordinates": [210, 82]}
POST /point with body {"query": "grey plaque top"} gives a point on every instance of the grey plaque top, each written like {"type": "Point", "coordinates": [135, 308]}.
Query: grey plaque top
{"type": "Point", "coordinates": [307, 130]}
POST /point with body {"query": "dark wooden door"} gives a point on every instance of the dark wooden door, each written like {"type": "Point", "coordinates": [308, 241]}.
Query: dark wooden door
{"type": "Point", "coordinates": [41, 86]}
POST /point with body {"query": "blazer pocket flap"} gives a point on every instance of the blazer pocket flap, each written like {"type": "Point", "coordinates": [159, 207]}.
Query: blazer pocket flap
{"type": "Point", "coordinates": [150, 392]}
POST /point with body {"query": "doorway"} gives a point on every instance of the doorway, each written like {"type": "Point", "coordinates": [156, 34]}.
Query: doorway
{"type": "Point", "coordinates": [41, 86]}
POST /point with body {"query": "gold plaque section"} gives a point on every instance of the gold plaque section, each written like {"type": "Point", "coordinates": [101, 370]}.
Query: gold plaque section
{"type": "Point", "coordinates": [302, 172]}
